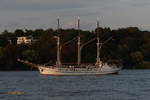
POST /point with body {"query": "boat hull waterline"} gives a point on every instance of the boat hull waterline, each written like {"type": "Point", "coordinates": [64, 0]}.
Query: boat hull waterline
{"type": "Point", "coordinates": [77, 71]}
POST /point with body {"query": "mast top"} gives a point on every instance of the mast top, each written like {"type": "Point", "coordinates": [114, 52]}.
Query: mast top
{"type": "Point", "coordinates": [78, 18]}
{"type": "Point", "coordinates": [58, 24]}
{"type": "Point", "coordinates": [78, 23]}
{"type": "Point", "coordinates": [97, 22]}
{"type": "Point", "coordinates": [78, 26]}
{"type": "Point", "coordinates": [97, 30]}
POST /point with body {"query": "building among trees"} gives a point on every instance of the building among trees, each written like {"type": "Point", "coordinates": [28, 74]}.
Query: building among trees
{"type": "Point", "coordinates": [24, 40]}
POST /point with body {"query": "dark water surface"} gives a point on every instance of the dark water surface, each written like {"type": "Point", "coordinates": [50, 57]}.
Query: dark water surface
{"type": "Point", "coordinates": [128, 85]}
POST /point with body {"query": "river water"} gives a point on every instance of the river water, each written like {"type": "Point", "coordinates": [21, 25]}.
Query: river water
{"type": "Point", "coordinates": [29, 85]}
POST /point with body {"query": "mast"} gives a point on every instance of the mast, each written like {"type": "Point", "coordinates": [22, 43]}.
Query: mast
{"type": "Point", "coordinates": [58, 62]}
{"type": "Point", "coordinates": [79, 44]}
{"type": "Point", "coordinates": [98, 61]}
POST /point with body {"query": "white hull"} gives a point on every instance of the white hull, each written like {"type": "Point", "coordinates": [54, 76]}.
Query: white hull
{"type": "Point", "coordinates": [77, 71]}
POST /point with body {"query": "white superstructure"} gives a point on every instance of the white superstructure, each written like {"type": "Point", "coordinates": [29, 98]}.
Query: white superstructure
{"type": "Point", "coordinates": [75, 70]}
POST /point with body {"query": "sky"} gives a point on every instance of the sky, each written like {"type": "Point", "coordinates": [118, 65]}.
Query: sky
{"type": "Point", "coordinates": [33, 14]}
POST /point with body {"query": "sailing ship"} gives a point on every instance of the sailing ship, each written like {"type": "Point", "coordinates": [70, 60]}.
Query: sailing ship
{"type": "Point", "coordinates": [99, 68]}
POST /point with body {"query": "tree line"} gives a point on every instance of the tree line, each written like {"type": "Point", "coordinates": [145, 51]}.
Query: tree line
{"type": "Point", "coordinates": [130, 46]}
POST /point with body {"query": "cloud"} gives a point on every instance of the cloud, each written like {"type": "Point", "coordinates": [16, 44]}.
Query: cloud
{"type": "Point", "coordinates": [40, 4]}
{"type": "Point", "coordinates": [137, 3]}
{"type": "Point", "coordinates": [43, 13]}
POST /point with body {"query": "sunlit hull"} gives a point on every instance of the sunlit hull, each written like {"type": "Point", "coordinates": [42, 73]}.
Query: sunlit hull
{"type": "Point", "coordinates": [77, 71]}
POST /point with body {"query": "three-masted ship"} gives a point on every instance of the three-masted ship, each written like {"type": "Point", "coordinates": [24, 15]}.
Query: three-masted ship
{"type": "Point", "coordinates": [99, 68]}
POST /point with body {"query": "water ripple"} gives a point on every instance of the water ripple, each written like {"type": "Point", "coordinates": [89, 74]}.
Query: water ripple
{"type": "Point", "coordinates": [128, 85]}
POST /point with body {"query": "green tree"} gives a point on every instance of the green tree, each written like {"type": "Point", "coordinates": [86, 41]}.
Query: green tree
{"type": "Point", "coordinates": [137, 57]}
{"type": "Point", "coordinates": [19, 32]}
{"type": "Point", "coordinates": [1, 52]}
{"type": "Point", "coordinates": [30, 55]}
